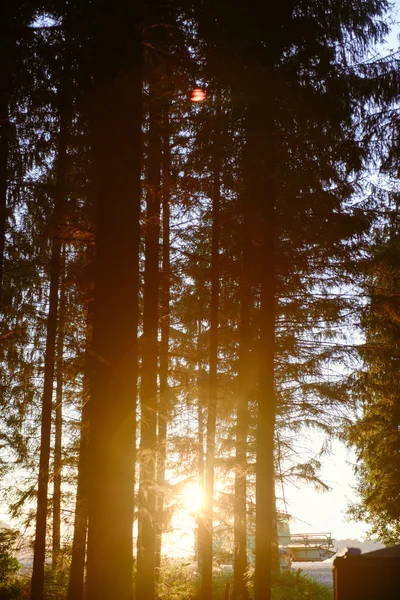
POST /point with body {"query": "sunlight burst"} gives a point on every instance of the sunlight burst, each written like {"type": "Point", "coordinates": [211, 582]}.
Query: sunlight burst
{"type": "Point", "coordinates": [192, 498]}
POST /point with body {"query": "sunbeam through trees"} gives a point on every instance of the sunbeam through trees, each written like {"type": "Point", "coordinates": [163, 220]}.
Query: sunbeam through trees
{"type": "Point", "coordinates": [199, 221]}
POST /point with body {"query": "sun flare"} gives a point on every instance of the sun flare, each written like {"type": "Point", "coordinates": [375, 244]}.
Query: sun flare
{"type": "Point", "coordinates": [192, 498]}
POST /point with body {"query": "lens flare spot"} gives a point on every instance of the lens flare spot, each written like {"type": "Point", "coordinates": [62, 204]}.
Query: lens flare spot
{"type": "Point", "coordinates": [198, 95]}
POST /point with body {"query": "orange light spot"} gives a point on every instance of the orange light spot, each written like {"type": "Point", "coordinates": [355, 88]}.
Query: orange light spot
{"type": "Point", "coordinates": [198, 95]}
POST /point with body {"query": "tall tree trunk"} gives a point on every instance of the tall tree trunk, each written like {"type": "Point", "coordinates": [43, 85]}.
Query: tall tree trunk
{"type": "Point", "coordinates": [115, 115]}
{"type": "Point", "coordinates": [207, 534]}
{"type": "Point", "coordinates": [265, 512]}
{"type": "Point", "coordinates": [76, 576]}
{"type": "Point", "coordinates": [145, 578]}
{"type": "Point", "coordinates": [243, 385]}
{"type": "Point", "coordinates": [200, 413]}
{"type": "Point", "coordinates": [164, 404]}
{"type": "Point", "coordinates": [275, 562]}
{"type": "Point", "coordinates": [200, 438]}
{"type": "Point", "coordinates": [57, 466]}
{"type": "Point", "coordinates": [50, 351]}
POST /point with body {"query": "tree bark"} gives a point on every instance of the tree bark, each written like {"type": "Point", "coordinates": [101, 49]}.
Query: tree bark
{"type": "Point", "coordinates": [264, 177]}
{"type": "Point", "coordinates": [200, 413]}
{"type": "Point", "coordinates": [243, 385]}
{"type": "Point", "coordinates": [275, 562]}
{"type": "Point", "coordinates": [265, 434]}
{"type": "Point", "coordinates": [145, 578]}
{"type": "Point", "coordinates": [76, 576]}
{"type": "Point", "coordinates": [164, 404]}
{"type": "Point", "coordinates": [207, 534]}
{"type": "Point", "coordinates": [115, 123]}
{"type": "Point", "coordinates": [57, 466]}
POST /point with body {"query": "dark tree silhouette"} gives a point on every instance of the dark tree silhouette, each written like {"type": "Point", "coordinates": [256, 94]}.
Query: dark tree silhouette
{"type": "Point", "coordinates": [145, 578]}
{"type": "Point", "coordinates": [51, 335]}
{"type": "Point", "coordinates": [115, 123]}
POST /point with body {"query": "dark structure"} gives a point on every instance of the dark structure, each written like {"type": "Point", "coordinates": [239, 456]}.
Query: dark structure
{"type": "Point", "coordinates": [371, 576]}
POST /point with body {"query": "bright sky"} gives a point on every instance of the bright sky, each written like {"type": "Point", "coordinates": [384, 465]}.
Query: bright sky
{"type": "Point", "coordinates": [393, 38]}
{"type": "Point", "coordinates": [315, 511]}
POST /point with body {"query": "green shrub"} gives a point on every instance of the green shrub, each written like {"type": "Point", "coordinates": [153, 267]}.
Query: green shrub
{"type": "Point", "coordinates": [9, 587]}
{"type": "Point", "coordinates": [293, 585]}
{"type": "Point", "coordinates": [222, 577]}
{"type": "Point", "coordinates": [180, 581]}
{"type": "Point", "coordinates": [10, 591]}
{"type": "Point", "coordinates": [8, 564]}
{"type": "Point", "coordinates": [177, 580]}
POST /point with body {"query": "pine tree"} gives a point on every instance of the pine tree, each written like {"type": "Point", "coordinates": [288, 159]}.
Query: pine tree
{"type": "Point", "coordinates": [375, 433]}
{"type": "Point", "coordinates": [51, 334]}
{"type": "Point", "coordinates": [244, 384]}
{"type": "Point", "coordinates": [14, 19]}
{"type": "Point", "coordinates": [279, 86]}
{"type": "Point", "coordinates": [279, 154]}
{"type": "Point", "coordinates": [115, 124]}
{"type": "Point", "coordinates": [165, 293]}
{"type": "Point", "coordinates": [79, 540]}
{"type": "Point", "coordinates": [57, 467]}
{"type": "Point", "coordinates": [212, 403]}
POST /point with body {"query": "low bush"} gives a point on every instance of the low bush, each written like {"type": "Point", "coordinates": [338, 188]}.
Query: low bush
{"type": "Point", "coordinates": [9, 565]}
{"type": "Point", "coordinates": [177, 580]}
{"type": "Point", "coordinates": [180, 581]}
{"type": "Point", "coordinates": [293, 585]}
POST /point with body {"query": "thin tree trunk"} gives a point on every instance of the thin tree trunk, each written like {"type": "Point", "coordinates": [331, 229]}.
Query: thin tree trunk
{"type": "Point", "coordinates": [207, 537]}
{"type": "Point", "coordinates": [164, 405]}
{"type": "Point", "coordinates": [275, 562]}
{"type": "Point", "coordinates": [76, 577]}
{"type": "Point", "coordinates": [240, 504]}
{"type": "Point", "coordinates": [266, 404]}
{"type": "Point", "coordinates": [200, 413]}
{"type": "Point", "coordinates": [115, 122]}
{"type": "Point", "coordinates": [200, 461]}
{"type": "Point", "coordinates": [50, 355]}
{"type": "Point", "coordinates": [145, 578]}
{"type": "Point", "coordinates": [58, 422]}
{"type": "Point", "coordinates": [265, 436]}
{"type": "Point", "coordinates": [41, 514]}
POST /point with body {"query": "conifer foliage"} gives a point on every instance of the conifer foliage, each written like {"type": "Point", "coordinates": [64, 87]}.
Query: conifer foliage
{"type": "Point", "coordinates": [169, 275]}
{"type": "Point", "coordinates": [376, 432]}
